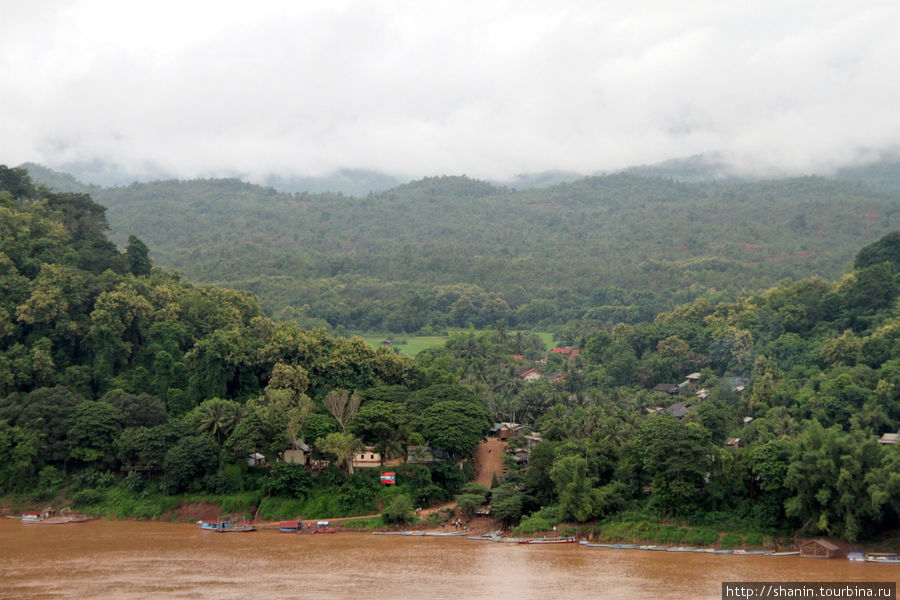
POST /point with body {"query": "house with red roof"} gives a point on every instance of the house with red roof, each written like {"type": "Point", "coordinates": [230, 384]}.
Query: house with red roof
{"type": "Point", "coordinates": [531, 375]}
{"type": "Point", "coordinates": [566, 351]}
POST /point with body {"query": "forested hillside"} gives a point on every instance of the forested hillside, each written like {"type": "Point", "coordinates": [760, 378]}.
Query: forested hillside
{"type": "Point", "coordinates": [451, 251]}
{"type": "Point", "coordinates": [121, 384]}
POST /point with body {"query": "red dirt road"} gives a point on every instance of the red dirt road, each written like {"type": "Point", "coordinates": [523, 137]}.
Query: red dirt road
{"type": "Point", "coordinates": [489, 461]}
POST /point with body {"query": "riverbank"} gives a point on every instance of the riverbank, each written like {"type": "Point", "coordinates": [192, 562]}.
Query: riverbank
{"type": "Point", "coordinates": [251, 506]}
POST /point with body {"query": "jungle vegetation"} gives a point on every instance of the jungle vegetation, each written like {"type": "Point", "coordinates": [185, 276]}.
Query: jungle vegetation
{"type": "Point", "coordinates": [121, 380]}
{"type": "Point", "coordinates": [450, 252]}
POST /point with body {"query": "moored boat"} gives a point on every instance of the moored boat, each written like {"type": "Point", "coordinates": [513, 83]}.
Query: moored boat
{"type": "Point", "coordinates": [34, 516]}
{"type": "Point", "coordinates": [226, 526]}
{"type": "Point", "coordinates": [290, 526]}
{"type": "Point", "coordinates": [883, 557]}
{"type": "Point", "coordinates": [856, 556]}
{"type": "Point", "coordinates": [590, 545]}
{"type": "Point", "coordinates": [321, 527]}
{"type": "Point", "coordinates": [46, 517]}
{"type": "Point", "coordinates": [550, 540]}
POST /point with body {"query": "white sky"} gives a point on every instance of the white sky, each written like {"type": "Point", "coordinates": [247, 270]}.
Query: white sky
{"type": "Point", "coordinates": [486, 88]}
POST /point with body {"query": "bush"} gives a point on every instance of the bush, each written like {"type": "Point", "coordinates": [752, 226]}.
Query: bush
{"type": "Point", "coordinates": [274, 509]}
{"type": "Point", "coordinates": [702, 536]}
{"type": "Point", "coordinates": [468, 503]}
{"type": "Point", "coordinates": [89, 478]}
{"type": "Point", "coordinates": [543, 520]}
{"type": "Point", "coordinates": [364, 524]}
{"type": "Point", "coordinates": [88, 497]}
{"type": "Point", "coordinates": [133, 482]}
{"type": "Point", "coordinates": [754, 539]}
{"type": "Point", "coordinates": [357, 495]}
{"type": "Point", "coordinates": [285, 479]}
{"type": "Point", "coordinates": [399, 510]}
{"type": "Point", "coordinates": [243, 503]}
{"type": "Point", "coordinates": [473, 487]}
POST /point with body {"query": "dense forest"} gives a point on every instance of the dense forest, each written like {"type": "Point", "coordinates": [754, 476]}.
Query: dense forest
{"type": "Point", "coordinates": [123, 383]}
{"type": "Point", "coordinates": [448, 252]}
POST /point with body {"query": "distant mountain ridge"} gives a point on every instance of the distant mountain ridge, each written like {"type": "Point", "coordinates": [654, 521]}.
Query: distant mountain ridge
{"type": "Point", "coordinates": [881, 174]}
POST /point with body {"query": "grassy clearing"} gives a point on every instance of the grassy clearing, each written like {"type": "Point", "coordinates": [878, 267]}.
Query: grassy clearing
{"type": "Point", "coordinates": [411, 345]}
{"type": "Point", "coordinates": [547, 338]}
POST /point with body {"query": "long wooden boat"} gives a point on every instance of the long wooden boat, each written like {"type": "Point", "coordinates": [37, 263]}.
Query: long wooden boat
{"type": "Point", "coordinates": [321, 527]}
{"type": "Point", "coordinates": [79, 518]}
{"type": "Point", "coordinates": [46, 517]}
{"type": "Point", "coordinates": [550, 540]}
{"type": "Point", "coordinates": [48, 521]}
{"type": "Point", "coordinates": [883, 557]}
{"type": "Point", "coordinates": [226, 526]}
{"type": "Point", "coordinates": [590, 545]}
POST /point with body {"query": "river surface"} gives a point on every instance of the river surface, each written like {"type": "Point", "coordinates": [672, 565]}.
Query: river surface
{"type": "Point", "coordinates": [127, 560]}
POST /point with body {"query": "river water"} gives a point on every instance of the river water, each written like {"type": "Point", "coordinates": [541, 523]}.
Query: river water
{"type": "Point", "coordinates": [127, 560]}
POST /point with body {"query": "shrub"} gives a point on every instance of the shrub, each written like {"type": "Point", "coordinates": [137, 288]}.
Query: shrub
{"type": "Point", "coordinates": [287, 480]}
{"type": "Point", "coordinates": [468, 503]}
{"type": "Point", "coordinates": [543, 520]}
{"type": "Point", "coordinates": [88, 497]}
{"type": "Point", "coordinates": [399, 510]}
{"type": "Point", "coordinates": [753, 539]}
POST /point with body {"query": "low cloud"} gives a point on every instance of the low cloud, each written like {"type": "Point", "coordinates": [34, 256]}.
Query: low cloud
{"type": "Point", "coordinates": [203, 88]}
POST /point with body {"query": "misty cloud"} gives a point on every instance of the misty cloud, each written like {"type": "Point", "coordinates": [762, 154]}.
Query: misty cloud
{"type": "Point", "coordinates": [424, 88]}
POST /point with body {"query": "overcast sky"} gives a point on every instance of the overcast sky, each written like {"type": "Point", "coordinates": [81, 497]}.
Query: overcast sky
{"type": "Point", "coordinates": [489, 89]}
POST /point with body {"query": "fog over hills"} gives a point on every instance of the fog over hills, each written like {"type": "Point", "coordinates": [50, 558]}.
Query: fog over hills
{"type": "Point", "coordinates": [881, 172]}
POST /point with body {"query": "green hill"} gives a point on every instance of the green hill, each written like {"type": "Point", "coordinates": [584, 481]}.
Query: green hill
{"type": "Point", "coordinates": [452, 251]}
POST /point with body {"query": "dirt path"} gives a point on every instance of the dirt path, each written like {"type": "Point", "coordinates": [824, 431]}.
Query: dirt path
{"type": "Point", "coordinates": [489, 461]}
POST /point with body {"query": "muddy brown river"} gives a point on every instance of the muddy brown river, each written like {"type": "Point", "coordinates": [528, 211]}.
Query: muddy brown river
{"type": "Point", "coordinates": [127, 560]}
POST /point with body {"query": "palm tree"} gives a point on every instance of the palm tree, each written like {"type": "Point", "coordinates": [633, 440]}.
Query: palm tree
{"type": "Point", "coordinates": [218, 417]}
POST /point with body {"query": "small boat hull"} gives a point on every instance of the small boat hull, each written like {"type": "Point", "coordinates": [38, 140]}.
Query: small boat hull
{"type": "Point", "coordinates": [561, 540]}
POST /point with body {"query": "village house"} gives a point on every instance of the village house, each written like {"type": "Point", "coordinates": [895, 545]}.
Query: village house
{"type": "Point", "coordinates": [297, 456]}
{"type": "Point", "coordinates": [819, 549]}
{"type": "Point", "coordinates": [256, 460]}
{"type": "Point", "coordinates": [737, 384]}
{"type": "Point", "coordinates": [531, 375]}
{"type": "Point", "coordinates": [425, 454]}
{"type": "Point", "coordinates": [667, 388]}
{"type": "Point", "coordinates": [889, 439]}
{"type": "Point", "coordinates": [367, 458]}
{"type": "Point", "coordinates": [567, 351]}
{"type": "Point", "coordinates": [679, 409]}
{"type": "Point", "coordinates": [533, 439]}
{"type": "Point", "coordinates": [506, 430]}
{"type": "Point", "coordinates": [521, 455]}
